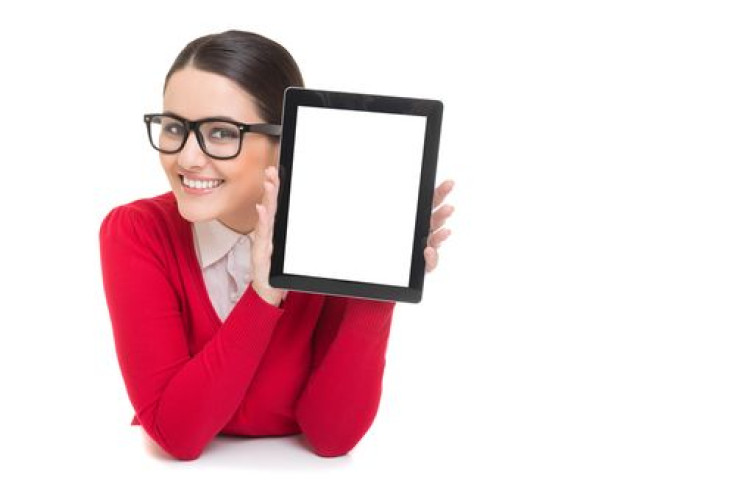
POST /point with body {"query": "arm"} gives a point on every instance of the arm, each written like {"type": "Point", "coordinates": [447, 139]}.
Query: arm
{"type": "Point", "coordinates": [181, 401]}
{"type": "Point", "coordinates": [341, 397]}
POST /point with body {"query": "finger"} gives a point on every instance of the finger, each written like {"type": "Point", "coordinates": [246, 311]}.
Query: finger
{"type": "Point", "coordinates": [273, 177]}
{"type": "Point", "coordinates": [439, 217]}
{"type": "Point", "coordinates": [437, 238]}
{"type": "Point", "coordinates": [268, 191]}
{"type": "Point", "coordinates": [271, 198]}
{"type": "Point", "coordinates": [430, 258]}
{"type": "Point", "coordinates": [272, 174]}
{"type": "Point", "coordinates": [260, 224]}
{"type": "Point", "coordinates": [441, 192]}
{"type": "Point", "coordinates": [266, 219]}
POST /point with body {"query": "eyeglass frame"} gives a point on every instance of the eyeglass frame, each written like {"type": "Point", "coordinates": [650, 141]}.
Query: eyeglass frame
{"type": "Point", "coordinates": [262, 128]}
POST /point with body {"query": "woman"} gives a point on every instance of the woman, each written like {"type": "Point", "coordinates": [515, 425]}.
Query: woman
{"type": "Point", "coordinates": [204, 344]}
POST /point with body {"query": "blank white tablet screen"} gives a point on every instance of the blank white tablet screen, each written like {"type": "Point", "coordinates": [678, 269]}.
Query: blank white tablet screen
{"type": "Point", "coordinates": [354, 190]}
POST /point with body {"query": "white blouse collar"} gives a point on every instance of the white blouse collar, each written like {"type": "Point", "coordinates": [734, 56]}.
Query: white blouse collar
{"type": "Point", "coordinates": [214, 240]}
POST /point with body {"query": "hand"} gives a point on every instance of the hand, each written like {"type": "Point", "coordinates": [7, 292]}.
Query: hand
{"type": "Point", "coordinates": [439, 216]}
{"type": "Point", "coordinates": [263, 240]}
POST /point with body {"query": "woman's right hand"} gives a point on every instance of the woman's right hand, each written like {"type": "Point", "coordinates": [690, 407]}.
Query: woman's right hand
{"type": "Point", "coordinates": [262, 246]}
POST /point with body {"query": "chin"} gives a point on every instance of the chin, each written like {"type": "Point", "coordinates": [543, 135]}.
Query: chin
{"type": "Point", "coordinates": [194, 213]}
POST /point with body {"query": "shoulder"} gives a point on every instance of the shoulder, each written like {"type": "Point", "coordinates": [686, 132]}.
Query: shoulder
{"type": "Point", "coordinates": [162, 208]}
{"type": "Point", "coordinates": [146, 216]}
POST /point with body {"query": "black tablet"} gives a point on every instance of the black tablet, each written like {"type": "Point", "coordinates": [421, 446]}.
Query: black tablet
{"type": "Point", "coordinates": [357, 178]}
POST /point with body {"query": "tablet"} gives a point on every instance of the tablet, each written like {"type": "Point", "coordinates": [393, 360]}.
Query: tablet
{"type": "Point", "coordinates": [357, 178]}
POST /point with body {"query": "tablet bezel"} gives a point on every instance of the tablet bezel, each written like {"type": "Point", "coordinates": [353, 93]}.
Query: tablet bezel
{"type": "Point", "coordinates": [295, 97]}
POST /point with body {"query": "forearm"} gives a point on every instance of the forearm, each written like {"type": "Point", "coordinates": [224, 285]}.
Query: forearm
{"type": "Point", "coordinates": [206, 390]}
{"type": "Point", "coordinates": [341, 398]}
{"type": "Point", "coordinates": [182, 401]}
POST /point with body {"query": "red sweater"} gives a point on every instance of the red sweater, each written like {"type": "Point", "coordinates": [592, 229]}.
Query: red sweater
{"type": "Point", "coordinates": [313, 365]}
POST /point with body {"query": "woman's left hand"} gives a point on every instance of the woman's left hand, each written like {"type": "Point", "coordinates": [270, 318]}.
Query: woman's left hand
{"type": "Point", "coordinates": [439, 216]}
{"type": "Point", "coordinates": [263, 244]}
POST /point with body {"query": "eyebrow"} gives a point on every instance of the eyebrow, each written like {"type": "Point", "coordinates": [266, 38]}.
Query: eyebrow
{"type": "Point", "coordinates": [224, 118]}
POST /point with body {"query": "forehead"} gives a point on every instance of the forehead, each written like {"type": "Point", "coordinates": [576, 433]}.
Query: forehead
{"type": "Point", "coordinates": [197, 94]}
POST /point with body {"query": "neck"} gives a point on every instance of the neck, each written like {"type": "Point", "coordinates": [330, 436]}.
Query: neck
{"type": "Point", "coordinates": [243, 227]}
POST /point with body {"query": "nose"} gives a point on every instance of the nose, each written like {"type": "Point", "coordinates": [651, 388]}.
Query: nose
{"type": "Point", "coordinates": [191, 155]}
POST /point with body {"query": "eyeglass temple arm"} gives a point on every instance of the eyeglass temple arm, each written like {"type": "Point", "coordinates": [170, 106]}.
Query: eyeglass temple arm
{"type": "Point", "coordinates": [265, 128]}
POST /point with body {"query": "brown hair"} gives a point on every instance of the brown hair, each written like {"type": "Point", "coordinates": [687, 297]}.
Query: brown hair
{"type": "Point", "coordinates": [262, 67]}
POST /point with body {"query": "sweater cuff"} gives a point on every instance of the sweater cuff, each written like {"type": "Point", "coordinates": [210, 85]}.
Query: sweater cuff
{"type": "Point", "coordinates": [252, 316]}
{"type": "Point", "coordinates": [371, 312]}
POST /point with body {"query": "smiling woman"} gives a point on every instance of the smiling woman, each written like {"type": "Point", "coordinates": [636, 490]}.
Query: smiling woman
{"type": "Point", "coordinates": [205, 345]}
{"type": "Point", "coordinates": [193, 92]}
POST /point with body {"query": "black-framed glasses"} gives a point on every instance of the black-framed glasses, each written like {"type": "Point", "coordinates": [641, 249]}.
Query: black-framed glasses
{"type": "Point", "coordinates": [217, 137]}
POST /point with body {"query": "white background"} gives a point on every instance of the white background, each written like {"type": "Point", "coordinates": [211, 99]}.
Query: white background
{"type": "Point", "coordinates": [579, 330]}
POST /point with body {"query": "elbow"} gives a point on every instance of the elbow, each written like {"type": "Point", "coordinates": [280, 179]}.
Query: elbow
{"type": "Point", "coordinates": [177, 452]}
{"type": "Point", "coordinates": [333, 431]}
{"type": "Point", "coordinates": [184, 454]}
{"type": "Point", "coordinates": [328, 454]}
{"type": "Point", "coordinates": [332, 450]}
{"type": "Point", "coordinates": [180, 451]}
{"type": "Point", "coordinates": [330, 444]}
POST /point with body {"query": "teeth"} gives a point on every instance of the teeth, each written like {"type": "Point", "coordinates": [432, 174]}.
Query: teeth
{"type": "Point", "coordinates": [190, 183]}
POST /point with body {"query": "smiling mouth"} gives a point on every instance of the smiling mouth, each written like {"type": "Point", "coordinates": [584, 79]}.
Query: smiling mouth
{"type": "Point", "coordinates": [198, 184]}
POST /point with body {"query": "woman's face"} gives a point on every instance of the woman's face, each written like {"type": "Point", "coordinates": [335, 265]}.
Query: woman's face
{"type": "Point", "coordinates": [195, 94]}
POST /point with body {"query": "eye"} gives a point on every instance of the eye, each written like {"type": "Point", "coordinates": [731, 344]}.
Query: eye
{"type": "Point", "coordinates": [174, 129]}
{"type": "Point", "coordinates": [224, 133]}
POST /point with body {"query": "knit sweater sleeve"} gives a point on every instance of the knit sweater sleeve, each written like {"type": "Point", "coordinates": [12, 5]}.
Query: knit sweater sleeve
{"type": "Point", "coordinates": [181, 401]}
{"type": "Point", "coordinates": [341, 397]}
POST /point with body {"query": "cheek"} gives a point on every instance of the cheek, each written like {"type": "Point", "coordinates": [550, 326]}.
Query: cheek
{"type": "Point", "coordinates": [168, 162]}
{"type": "Point", "coordinates": [246, 176]}
{"type": "Point", "coordinates": [246, 184]}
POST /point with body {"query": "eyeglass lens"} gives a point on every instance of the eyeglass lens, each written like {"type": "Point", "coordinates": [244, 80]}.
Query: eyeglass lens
{"type": "Point", "coordinates": [221, 139]}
